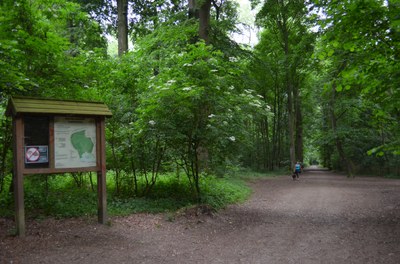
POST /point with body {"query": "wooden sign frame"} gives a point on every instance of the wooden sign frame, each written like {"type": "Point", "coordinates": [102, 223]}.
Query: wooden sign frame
{"type": "Point", "coordinates": [23, 108]}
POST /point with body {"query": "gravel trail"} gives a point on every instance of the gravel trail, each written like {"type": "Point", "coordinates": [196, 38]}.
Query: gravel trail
{"type": "Point", "coordinates": [322, 218]}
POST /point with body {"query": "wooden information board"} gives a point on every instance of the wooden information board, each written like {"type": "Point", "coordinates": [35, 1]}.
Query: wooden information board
{"type": "Point", "coordinates": [57, 136]}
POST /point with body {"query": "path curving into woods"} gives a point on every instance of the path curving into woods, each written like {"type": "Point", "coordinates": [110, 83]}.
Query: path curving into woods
{"type": "Point", "coordinates": [322, 218]}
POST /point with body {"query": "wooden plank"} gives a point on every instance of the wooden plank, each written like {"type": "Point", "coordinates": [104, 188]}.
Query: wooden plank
{"type": "Point", "coordinates": [17, 100]}
{"type": "Point", "coordinates": [21, 99]}
{"type": "Point", "coordinates": [46, 106]}
{"type": "Point", "coordinates": [64, 112]}
{"type": "Point", "coordinates": [58, 104]}
{"type": "Point", "coordinates": [27, 171]}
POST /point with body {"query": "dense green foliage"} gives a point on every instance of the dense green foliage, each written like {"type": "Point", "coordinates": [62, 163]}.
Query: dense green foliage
{"type": "Point", "coordinates": [360, 72]}
{"type": "Point", "coordinates": [58, 196]}
{"type": "Point", "coordinates": [321, 86]}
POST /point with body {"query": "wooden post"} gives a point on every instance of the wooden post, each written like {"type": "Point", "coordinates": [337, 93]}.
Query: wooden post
{"type": "Point", "coordinates": [18, 175]}
{"type": "Point", "coordinates": [101, 174]}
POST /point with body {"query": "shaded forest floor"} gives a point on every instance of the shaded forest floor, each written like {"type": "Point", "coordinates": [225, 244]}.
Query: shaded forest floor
{"type": "Point", "coordinates": [322, 218]}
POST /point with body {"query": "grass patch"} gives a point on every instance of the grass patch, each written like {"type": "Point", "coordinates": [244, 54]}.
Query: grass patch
{"type": "Point", "coordinates": [220, 192]}
{"type": "Point", "coordinates": [59, 196]}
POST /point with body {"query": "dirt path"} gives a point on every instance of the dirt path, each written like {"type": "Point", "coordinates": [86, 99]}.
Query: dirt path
{"type": "Point", "coordinates": [323, 218]}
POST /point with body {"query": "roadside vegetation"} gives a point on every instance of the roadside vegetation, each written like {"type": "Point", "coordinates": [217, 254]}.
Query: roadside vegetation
{"type": "Point", "coordinates": [61, 197]}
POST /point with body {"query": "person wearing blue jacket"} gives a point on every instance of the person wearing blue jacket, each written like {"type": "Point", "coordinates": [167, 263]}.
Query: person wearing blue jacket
{"type": "Point", "coordinates": [297, 169]}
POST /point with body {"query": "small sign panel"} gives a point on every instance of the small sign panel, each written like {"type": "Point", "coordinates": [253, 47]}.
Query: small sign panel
{"type": "Point", "coordinates": [36, 154]}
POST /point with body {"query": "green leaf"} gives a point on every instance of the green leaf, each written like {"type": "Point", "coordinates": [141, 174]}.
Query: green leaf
{"type": "Point", "coordinates": [335, 44]}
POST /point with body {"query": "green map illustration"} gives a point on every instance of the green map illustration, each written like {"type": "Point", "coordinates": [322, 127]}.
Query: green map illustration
{"type": "Point", "coordinates": [74, 142]}
{"type": "Point", "coordinates": [83, 144]}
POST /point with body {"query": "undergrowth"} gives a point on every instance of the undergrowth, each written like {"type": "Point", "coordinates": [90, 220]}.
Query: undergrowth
{"type": "Point", "coordinates": [59, 197]}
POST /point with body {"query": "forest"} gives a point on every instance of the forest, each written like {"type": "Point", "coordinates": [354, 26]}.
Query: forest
{"type": "Point", "coordinates": [321, 85]}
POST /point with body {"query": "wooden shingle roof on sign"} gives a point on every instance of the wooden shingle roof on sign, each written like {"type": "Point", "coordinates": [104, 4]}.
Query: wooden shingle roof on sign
{"type": "Point", "coordinates": [28, 105]}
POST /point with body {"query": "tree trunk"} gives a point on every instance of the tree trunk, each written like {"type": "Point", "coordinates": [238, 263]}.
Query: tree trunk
{"type": "Point", "coordinates": [204, 21]}
{"type": "Point", "coordinates": [202, 13]}
{"type": "Point", "coordinates": [265, 143]}
{"type": "Point", "coordinates": [299, 125]}
{"type": "Point", "coordinates": [338, 141]}
{"type": "Point", "coordinates": [122, 7]}
{"type": "Point", "coordinates": [274, 155]}
{"type": "Point", "coordinates": [292, 150]}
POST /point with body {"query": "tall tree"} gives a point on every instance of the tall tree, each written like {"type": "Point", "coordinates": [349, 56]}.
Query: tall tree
{"type": "Point", "coordinates": [287, 23]}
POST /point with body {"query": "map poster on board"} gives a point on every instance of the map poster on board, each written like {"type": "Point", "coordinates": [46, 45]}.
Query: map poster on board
{"type": "Point", "coordinates": [74, 142]}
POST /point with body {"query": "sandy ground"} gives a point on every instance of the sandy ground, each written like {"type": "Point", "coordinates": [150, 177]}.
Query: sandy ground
{"type": "Point", "coordinates": [322, 218]}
